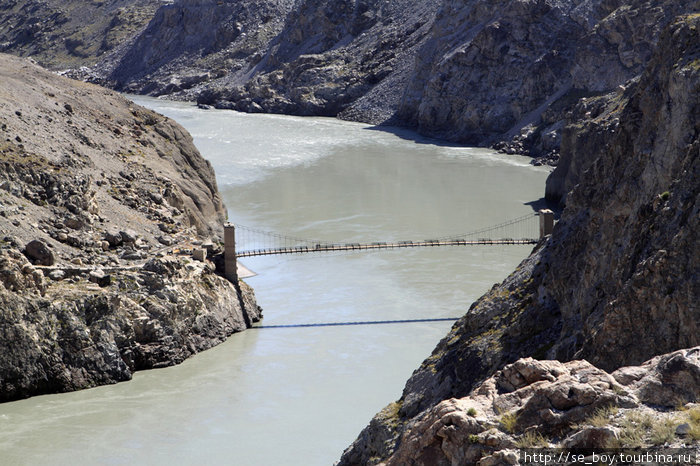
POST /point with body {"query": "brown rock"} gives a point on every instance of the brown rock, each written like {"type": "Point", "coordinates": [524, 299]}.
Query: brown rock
{"type": "Point", "coordinates": [39, 253]}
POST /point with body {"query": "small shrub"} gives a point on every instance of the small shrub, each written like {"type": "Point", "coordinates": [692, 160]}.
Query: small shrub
{"type": "Point", "coordinates": [665, 195]}
{"type": "Point", "coordinates": [601, 416]}
{"type": "Point", "coordinates": [509, 421]}
{"type": "Point", "coordinates": [473, 438]}
{"type": "Point", "coordinates": [471, 412]}
{"type": "Point", "coordinates": [694, 421]}
{"type": "Point", "coordinates": [663, 431]}
{"type": "Point", "coordinates": [632, 431]}
{"type": "Point", "coordinates": [694, 415]}
{"type": "Point", "coordinates": [532, 439]}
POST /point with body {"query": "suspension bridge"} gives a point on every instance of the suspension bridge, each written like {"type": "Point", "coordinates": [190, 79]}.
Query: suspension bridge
{"type": "Point", "coordinates": [242, 241]}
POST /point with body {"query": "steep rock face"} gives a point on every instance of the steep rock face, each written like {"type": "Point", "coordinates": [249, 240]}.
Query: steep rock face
{"type": "Point", "coordinates": [101, 202]}
{"type": "Point", "coordinates": [318, 57]}
{"type": "Point", "coordinates": [617, 281]}
{"type": "Point", "coordinates": [497, 70]}
{"type": "Point", "coordinates": [80, 330]}
{"type": "Point", "coordinates": [348, 58]}
{"type": "Point", "coordinates": [474, 71]}
{"type": "Point", "coordinates": [64, 34]}
{"type": "Point", "coordinates": [192, 41]}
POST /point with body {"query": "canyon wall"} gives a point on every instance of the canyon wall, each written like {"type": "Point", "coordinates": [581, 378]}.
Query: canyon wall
{"type": "Point", "coordinates": [617, 281]}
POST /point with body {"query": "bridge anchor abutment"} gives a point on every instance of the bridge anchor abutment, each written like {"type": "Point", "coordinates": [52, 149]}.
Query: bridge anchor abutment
{"type": "Point", "coordinates": [230, 264]}
{"type": "Point", "coordinates": [546, 222]}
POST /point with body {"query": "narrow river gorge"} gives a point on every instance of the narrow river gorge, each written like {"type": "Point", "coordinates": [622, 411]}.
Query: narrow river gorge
{"type": "Point", "coordinates": [300, 395]}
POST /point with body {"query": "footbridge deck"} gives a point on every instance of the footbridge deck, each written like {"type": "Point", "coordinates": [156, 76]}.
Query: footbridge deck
{"type": "Point", "coordinates": [380, 245]}
{"type": "Point", "coordinates": [270, 244]}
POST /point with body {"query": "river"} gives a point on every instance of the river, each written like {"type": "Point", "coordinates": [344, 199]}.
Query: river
{"type": "Point", "coordinates": [300, 395]}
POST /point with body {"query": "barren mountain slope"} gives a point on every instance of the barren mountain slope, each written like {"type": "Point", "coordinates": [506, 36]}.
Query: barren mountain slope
{"type": "Point", "coordinates": [99, 200]}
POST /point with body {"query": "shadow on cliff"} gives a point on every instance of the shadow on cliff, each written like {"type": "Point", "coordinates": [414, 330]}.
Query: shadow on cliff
{"type": "Point", "coordinates": [543, 203]}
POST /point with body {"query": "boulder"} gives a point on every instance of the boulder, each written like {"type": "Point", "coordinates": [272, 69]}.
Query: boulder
{"type": "Point", "coordinates": [114, 238]}
{"type": "Point", "coordinates": [199, 254]}
{"type": "Point", "coordinates": [591, 437]}
{"type": "Point", "coordinates": [128, 236]}
{"type": "Point", "coordinates": [665, 380]}
{"type": "Point", "coordinates": [57, 275]}
{"type": "Point", "coordinates": [39, 253]}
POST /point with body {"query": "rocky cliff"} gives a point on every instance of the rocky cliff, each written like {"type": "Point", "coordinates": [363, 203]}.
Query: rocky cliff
{"type": "Point", "coordinates": [482, 72]}
{"type": "Point", "coordinates": [313, 57]}
{"type": "Point", "coordinates": [617, 281]}
{"type": "Point", "coordinates": [101, 205]}
{"type": "Point", "coordinates": [477, 71]}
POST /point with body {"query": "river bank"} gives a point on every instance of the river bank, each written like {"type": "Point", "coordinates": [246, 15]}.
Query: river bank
{"type": "Point", "coordinates": [319, 178]}
{"type": "Point", "coordinates": [96, 196]}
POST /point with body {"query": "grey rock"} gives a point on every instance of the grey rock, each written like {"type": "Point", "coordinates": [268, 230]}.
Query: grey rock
{"type": "Point", "coordinates": [165, 240]}
{"type": "Point", "coordinates": [199, 254]}
{"type": "Point", "coordinates": [100, 277]}
{"type": "Point", "coordinates": [683, 429]}
{"type": "Point", "coordinates": [665, 380]}
{"type": "Point", "coordinates": [132, 256]}
{"type": "Point", "coordinates": [57, 275]}
{"type": "Point", "coordinates": [128, 236]}
{"type": "Point", "coordinates": [114, 238]}
{"type": "Point", "coordinates": [74, 223]}
{"type": "Point", "coordinates": [591, 437]}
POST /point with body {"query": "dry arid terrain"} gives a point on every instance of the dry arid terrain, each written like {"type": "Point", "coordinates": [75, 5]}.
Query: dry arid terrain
{"type": "Point", "coordinates": [101, 205]}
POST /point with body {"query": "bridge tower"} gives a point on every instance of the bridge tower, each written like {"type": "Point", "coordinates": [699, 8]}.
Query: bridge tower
{"type": "Point", "coordinates": [546, 222]}
{"type": "Point", "coordinates": [230, 264]}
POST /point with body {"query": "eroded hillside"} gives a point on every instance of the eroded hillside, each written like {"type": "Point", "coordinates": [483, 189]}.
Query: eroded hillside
{"type": "Point", "coordinates": [101, 205]}
{"type": "Point", "coordinates": [502, 73]}
{"type": "Point", "coordinates": [63, 34]}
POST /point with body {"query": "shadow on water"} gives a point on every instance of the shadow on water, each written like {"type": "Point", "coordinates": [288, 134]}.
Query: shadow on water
{"type": "Point", "coordinates": [410, 134]}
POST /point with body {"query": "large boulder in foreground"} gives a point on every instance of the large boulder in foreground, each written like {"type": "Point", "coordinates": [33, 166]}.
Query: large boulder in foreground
{"type": "Point", "coordinates": [531, 404]}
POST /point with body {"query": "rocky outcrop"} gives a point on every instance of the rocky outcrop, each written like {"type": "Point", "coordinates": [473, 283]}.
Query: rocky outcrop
{"type": "Point", "coordinates": [530, 404]}
{"type": "Point", "coordinates": [101, 205]}
{"type": "Point", "coordinates": [617, 281]}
